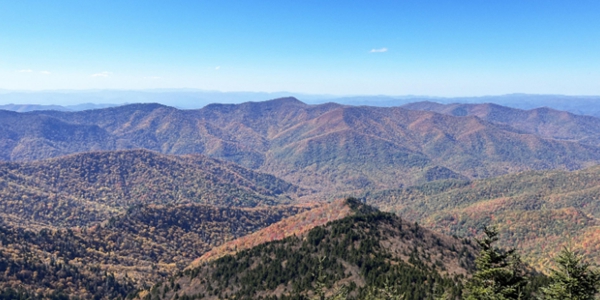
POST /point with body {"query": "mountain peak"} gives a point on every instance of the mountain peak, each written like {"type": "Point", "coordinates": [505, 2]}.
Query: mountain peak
{"type": "Point", "coordinates": [355, 251]}
{"type": "Point", "coordinates": [277, 103]}
{"type": "Point", "coordinates": [255, 106]}
{"type": "Point", "coordinates": [142, 106]}
{"type": "Point", "coordinates": [285, 100]}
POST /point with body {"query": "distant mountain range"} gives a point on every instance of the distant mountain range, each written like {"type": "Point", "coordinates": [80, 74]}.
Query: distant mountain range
{"type": "Point", "coordinates": [327, 147]}
{"type": "Point", "coordinates": [74, 100]}
{"type": "Point", "coordinates": [544, 122]}
{"type": "Point", "coordinates": [34, 107]}
{"type": "Point", "coordinates": [583, 105]}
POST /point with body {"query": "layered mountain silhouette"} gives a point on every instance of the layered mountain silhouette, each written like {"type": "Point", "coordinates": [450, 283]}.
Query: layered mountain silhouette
{"type": "Point", "coordinates": [327, 147]}
{"type": "Point", "coordinates": [544, 122]}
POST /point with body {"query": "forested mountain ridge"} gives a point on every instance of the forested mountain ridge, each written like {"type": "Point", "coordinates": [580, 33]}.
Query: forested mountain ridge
{"type": "Point", "coordinates": [83, 189]}
{"type": "Point", "coordinates": [358, 253]}
{"type": "Point", "coordinates": [101, 224]}
{"type": "Point", "coordinates": [539, 212]}
{"type": "Point", "coordinates": [292, 226]}
{"type": "Point", "coordinates": [543, 121]}
{"type": "Point", "coordinates": [329, 147]}
{"type": "Point", "coordinates": [30, 137]}
{"type": "Point", "coordinates": [111, 260]}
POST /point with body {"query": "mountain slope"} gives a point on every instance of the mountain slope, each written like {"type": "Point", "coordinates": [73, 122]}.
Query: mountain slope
{"type": "Point", "coordinates": [364, 250]}
{"type": "Point", "coordinates": [83, 189]}
{"type": "Point", "coordinates": [108, 261]}
{"type": "Point", "coordinates": [295, 225]}
{"type": "Point", "coordinates": [544, 122]}
{"type": "Point", "coordinates": [329, 148]}
{"type": "Point", "coordinates": [38, 265]}
{"type": "Point", "coordinates": [375, 147]}
{"type": "Point", "coordinates": [538, 212]}
{"type": "Point", "coordinates": [30, 137]}
{"type": "Point", "coordinates": [236, 132]}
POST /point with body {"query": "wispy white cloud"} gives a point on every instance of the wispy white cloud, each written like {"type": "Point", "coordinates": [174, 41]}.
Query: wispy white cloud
{"type": "Point", "coordinates": [45, 73]}
{"type": "Point", "coordinates": [152, 77]}
{"type": "Point", "coordinates": [381, 50]}
{"type": "Point", "coordinates": [25, 71]}
{"type": "Point", "coordinates": [102, 74]}
{"type": "Point", "coordinates": [217, 68]}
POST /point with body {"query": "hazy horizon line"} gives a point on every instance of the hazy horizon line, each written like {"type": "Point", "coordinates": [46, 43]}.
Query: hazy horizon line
{"type": "Point", "coordinates": [159, 90]}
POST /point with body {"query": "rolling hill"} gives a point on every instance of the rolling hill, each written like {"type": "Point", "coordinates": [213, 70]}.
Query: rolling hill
{"type": "Point", "coordinates": [539, 212]}
{"type": "Point", "coordinates": [128, 252]}
{"type": "Point", "coordinates": [102, 224]}
{"type": "Point", "coordinates": [87, 188]}
{"type": "Point", "coordinates": [329, 148]}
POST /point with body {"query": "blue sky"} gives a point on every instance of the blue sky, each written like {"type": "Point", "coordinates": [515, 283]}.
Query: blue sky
{"type": "Point", "coordinates": [437, 48]}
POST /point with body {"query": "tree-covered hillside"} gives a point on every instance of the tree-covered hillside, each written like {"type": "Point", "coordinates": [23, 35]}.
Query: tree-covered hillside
{"type": "Point", "coordinates": [87, 188]}
{"type": "Point", "coordinates": [128, 252]}
{"type": "Point", "coordinates": [328, 147]}
{"type": "Point", "coordinates": [543, 121]}
{"type": "Point", "coordinates": [356, 254]}
{"type": "Point", "coordinates": [537, 212]}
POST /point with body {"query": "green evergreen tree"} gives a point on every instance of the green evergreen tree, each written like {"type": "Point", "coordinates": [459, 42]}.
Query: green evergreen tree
{"type": "Point", "coordinates": [572, 280]}
{"type": "Point", "coordinates": [386, 293]}
{"type": "Point", "coordinates": [339, 293]}
{"type": "Point", "coordinates": [320, 285]}
{"type": "Point", "coordinates": [499, 274]}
